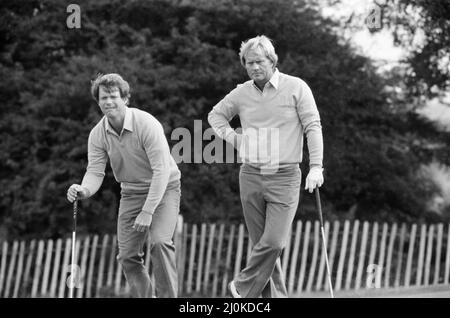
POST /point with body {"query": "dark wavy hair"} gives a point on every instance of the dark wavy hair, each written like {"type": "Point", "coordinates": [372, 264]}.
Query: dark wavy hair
{"type": "Point", "coordinates": [110, 82]}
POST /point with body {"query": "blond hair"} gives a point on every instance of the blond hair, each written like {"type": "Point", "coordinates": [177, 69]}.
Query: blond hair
{"type": "Point", "coordinates": [262, 42]}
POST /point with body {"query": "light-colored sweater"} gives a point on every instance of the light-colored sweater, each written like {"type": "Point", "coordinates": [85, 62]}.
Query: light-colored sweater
{"type": "Point", "coordinates": [140, 157]}
{"type": "Point", "coordinates": [273, 121]}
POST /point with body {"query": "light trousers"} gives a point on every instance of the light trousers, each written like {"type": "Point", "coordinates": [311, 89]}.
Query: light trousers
{"type": "Point", "coordinates": [269, 203]}
{"type": "Point", "coordinates": [162, 248]}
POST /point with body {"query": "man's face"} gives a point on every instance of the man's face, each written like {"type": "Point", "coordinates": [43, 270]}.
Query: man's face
{"type": "Point", "coordinates": [259, 67]}
{"type": "Point", "coordinates": [110, 102]}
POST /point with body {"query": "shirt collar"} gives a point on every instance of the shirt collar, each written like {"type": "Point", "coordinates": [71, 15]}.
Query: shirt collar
{"type": "Point", "coordinates": [275, 79]}
{"type": "Point", "coordinates": [127, 122]}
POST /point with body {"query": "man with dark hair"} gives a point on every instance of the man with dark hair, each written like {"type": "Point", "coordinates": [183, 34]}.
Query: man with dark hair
{"type": "Point", "coordinates": [275, 110]}
{"type": "Point", "coordinates": [140, 158]}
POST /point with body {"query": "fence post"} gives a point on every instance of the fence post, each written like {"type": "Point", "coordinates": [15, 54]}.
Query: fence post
{"type": "Point", "coordinates": [447, 257]}
{"type": "Point", "coordinates": [90, 270]}
{"type": "Point", "coordinates": [312, 267]}
{"type": "Point", "coordinates": [182, 268]}
{"type": "Point", "coordinates": [240, 245]}
{"type": "Point", "coordinates": [12, 265]}
{"type": "Point", "coordinates": [56, 265]}
{"type": "Point", "coordinates": [62, 282]}
{"type": "Point", "coordinates": [362, 254]}
{"type": "Point", "coordinates": [200, 258]}
{"type": "Point", "coordinates": [423, 233]}
{"type": "Point", "coordinates": [438, 254]}
{"type": "Point", "coordinates": [286, 252]}
{"type": "Point", "coordinates": [48, 256]}
{"type": "Point", "coordinates": [112, 261]}
{"type": "Point", "coordinates": [342, 256]}
{"type": "Point", "coordinates": [179, 250]}
{"type": "Point", "coordinates": [212, 228]}
{"type": "Point", "coordinates": [351, 259]}
{"type": "Point", "coordinates": [83, 266]}
{"type": "Point", "coordinates": [412, 239]}
{"type": "Point", "coordinates": [398, 272]}
{"type": "Point", "coordinates": [228, 260]}
{"type": "Point", "coordinates": [381, 255]}
{"type": "Point", "coordinates": [101, 265]}
{"type": "Point", "coordinates": [217, 265]}
{"type": "Point", "coordinates": [333, 249]}
{"type": "Point", "coordinates": [3, 264]}
{"type": "Point", "coordinates": [19, 269]}
{"type": "Point", "coordinates": [301, 275]}
{"type": "Point", "coordinates": [191, 259]}
{"type": "Point", "coordinates": [428, 255]}
{"type": "Point", "coordinates": [373, 245]}
{"type": "Point", "coordinates": [321, 269]}
{"type": "Point", "coordinates": [37, 269]}
{"type": "Point", "coordinates": [293, 266]}
{"type": "Point", "coordinates": [392, 237]}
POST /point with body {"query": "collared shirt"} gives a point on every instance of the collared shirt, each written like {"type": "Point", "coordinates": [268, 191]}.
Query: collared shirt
{"type": "Point", "coordinates": [273, 121]}
{"type": "Point", "coordinates": [139, 156]}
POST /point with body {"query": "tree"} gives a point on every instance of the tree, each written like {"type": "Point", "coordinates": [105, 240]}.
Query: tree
{"type": "Point", "coordinates": [423, 27]}
{"type": "Point", "coordinates": [180, 58]}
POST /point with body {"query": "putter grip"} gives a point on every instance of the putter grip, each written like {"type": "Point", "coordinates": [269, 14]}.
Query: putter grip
{"type": "Point", "coordinates": [317, 193]}
{"type": "Point", "coordinates": [75, 207]}
{"type": "Point", "coordinates": [318, 205]}
{"type": "Point", "coordinates": [75, 211]}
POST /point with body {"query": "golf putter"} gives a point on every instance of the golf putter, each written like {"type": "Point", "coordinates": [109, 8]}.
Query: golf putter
{"type": "Point", "coordinates": [319, 210]}
{"type": "Point", "coordinates": [72, 264]}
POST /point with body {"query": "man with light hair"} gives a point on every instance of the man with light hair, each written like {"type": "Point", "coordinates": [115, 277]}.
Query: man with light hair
{"type": "Point", "coordinates": [140, 159]}
{"type": "Point", "coordinates": [269, 179]}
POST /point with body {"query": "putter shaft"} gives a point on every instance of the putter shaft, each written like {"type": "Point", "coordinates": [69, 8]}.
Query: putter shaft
{"type": "Point", "coordinates": [319, 210]}
{"type": "Point", "coordinates": [72, 263]}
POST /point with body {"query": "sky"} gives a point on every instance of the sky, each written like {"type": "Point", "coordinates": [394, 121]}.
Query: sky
{"type": "Point", "coordinates": [380, 47]}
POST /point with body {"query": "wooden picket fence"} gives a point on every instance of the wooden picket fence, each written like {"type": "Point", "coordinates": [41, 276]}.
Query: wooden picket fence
{"type": "Point", "coordinates": [209, 255]}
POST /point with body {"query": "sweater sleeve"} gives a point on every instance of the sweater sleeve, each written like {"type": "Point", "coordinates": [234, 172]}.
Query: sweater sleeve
{"type": "Point", "coordinates": [220, 116]}
{"type": "Point", "coordinates": [97, 159]}
{"type": "Point", "coordinates": [158, 153]}
{"type": "Point", "coordinates": [310, 119]}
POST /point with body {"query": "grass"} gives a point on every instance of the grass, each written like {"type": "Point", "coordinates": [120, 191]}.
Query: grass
{"type": "Point", "coordinates": [436, 291]}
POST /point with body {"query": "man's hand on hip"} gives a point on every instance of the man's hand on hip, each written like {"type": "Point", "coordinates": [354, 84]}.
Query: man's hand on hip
{"type": "Point", "coordinates": [77, 191]}
{"type": "Point", "coordinates": [143, 221]}
{"type": "Point", "coordinates": [314, 178]}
